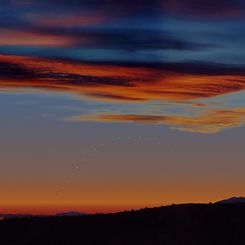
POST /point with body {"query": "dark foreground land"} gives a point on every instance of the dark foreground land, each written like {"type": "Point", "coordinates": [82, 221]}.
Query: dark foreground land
{"type": "Point", "coordinates": [190, 224]}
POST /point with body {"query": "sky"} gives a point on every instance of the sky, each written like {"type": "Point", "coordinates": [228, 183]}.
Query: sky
{"type": "Point", "coordinates": [112, 105]}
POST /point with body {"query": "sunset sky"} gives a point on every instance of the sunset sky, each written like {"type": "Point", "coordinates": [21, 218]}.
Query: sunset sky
{"type": "Point", "coordinates": [109, 105]}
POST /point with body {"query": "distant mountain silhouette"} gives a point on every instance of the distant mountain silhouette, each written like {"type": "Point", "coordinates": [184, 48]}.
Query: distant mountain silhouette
{"type": "Point", "coordinates": [187, 224]}
{"type": "Point", "coordinates": [72, 213]}
{"type": "Point", "coordinates": [232, 200]}
{"type": "Point", "coordinates": [18, 216]}
{"type": "Point", "coordinates": [14, 216]}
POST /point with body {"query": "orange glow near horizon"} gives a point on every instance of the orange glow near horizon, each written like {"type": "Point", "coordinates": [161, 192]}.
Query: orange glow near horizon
{"type": "Point", "coordinates": [110, 206]}
{"type": "Point", "coordinates": [114, 197]}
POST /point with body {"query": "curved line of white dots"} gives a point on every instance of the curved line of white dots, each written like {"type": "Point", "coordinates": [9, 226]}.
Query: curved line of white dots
{"type": "Point", "coordinates": [96, 149]}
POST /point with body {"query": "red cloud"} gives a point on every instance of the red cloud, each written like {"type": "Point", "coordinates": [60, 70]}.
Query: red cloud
{"type": "Point", "coordinates": [114, 82]}
{"type": "Point", "coordinates": [66, 19]}
{"type": "Point", "coordinates": [27, 38]}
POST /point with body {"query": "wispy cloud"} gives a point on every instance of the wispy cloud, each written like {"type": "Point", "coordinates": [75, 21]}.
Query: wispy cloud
{"type": "Point", "coordinates": [205, 8]}
{"type": "Point", "coordinates": [66, 20]}
{"type": "Point", "coordinates": [211, 121]}
{"type": "Point", "coordinates": [140, 30]}
{"type": "Point", "coordinates": [136, 83]}
{"type": "Point", "coordinates": [118, 82]}
{"type": "Point", "coordinates": [27, 38]}
{"type": "Point", "coordinates": [61, 35]}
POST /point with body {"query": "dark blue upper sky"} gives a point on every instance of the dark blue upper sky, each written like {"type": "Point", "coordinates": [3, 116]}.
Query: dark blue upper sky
{"type": "Point", "coordinates": [123, 30]}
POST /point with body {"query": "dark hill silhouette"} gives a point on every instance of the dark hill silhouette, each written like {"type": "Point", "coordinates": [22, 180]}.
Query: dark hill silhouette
{"type": "Point", "coordinates": [12, 216]}
{"type": "Point", "coordinates": [71, 213]}
{"type": "Point", "coordinates": [15, 216]}
{"type": "Point", "coordinates": [64, 214]}
{"type": "Point", "coordinates": [188, 224]}
{"type": "Point", "coordinates": [232, 200]}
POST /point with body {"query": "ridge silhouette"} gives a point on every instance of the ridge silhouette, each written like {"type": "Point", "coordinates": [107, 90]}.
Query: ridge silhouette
{"type": "Point", "coordinates": [185, 224]}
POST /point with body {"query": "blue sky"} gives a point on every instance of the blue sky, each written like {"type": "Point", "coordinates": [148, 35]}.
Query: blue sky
{"type": "Point", "coordinates": [142, 31]}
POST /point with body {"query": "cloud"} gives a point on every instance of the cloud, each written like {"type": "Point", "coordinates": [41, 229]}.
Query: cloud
{"type": "Point", "coordinates": [121, 82]}
{"type": "Point", "coordinates": [195, 7]}
{"type": "Point", "coordinates": [185, 8]}
{"type": "Point", "coordinates": [135, 83]}
{"type": "Point", "coordinates": [62, 35]}
{"type": "Point", "coordinates": [205, 8]}
{"type": "Point", "coordinates": [136, 39]}
{"type": "Point", "coordinates": [26, 38]}
{"type": "Point", "coordinates": [66, 20]}
{"type": "Point", "coordinates": [89, 24]}
{"type": "Point", "coordinates": [211, 121]}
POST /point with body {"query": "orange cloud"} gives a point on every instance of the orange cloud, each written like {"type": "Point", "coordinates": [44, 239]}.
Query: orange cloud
{"type": "Point", "coordinates": [25, 38]}
{"type": "Point", "coordinates": [136, 84]}
{"type": "Point", "coordinates": [67, 20]}
{"type": "Point", "coordinates": [114, 82]}
{"type": "Point", "coordinates": [209, 122]}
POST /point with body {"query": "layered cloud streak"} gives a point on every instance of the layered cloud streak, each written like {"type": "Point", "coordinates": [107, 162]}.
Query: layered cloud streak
{"type": "Point", "coordinates": [170, 83]}
{"type": "Point", "coordinates": [178, 53]}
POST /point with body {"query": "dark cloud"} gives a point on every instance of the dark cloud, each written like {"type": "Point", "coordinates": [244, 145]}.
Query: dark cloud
{"type": "Point", "coordinates": [104, 96]}
{"type": "Point", "coordinates": [201, 68]}
{"type": "Point", "coordinates": [17, 72]}
{"type": "Point", "coordinates": [11, 70]}
{"type": "Point", "coordinates": [188, 67]}
{"type": "Point", "coordinates": [194, 8]}
{"type": "Point", "coordinates": [122, 39]}
{"type": "Point", "coordinates": [14, 12]}
{"type": "Point", "coordinates": [96, 32]}
{"type": "Point", "coordinates": [205, 8]}
{"type": "Point", "coordinates": [135, 40]}
{"type": "Point", "coordinates": [135, 82]}
{"type": "Point", "coordinates": [127, 39]}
